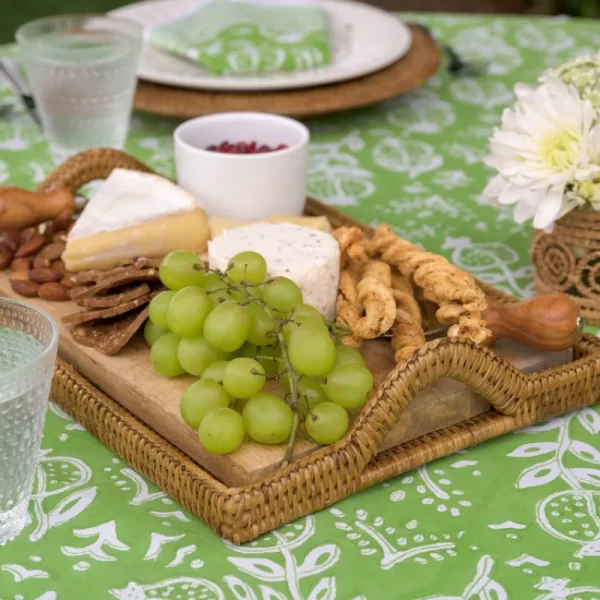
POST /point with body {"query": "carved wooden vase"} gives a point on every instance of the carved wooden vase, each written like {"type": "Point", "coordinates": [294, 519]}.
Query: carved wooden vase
{"type": "Point", "coordinates": [568, 261]}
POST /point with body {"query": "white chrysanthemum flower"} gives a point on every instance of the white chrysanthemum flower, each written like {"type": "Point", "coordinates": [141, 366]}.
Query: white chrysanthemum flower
{"type": "Point", "coordinates": [545, 143]}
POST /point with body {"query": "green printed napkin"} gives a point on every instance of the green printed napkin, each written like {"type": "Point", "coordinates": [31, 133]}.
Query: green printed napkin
{"type": "Point", "coordinates": [236, 36]}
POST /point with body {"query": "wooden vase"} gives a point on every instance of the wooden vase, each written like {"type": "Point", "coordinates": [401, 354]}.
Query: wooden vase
{"type": "Point", "coordinates": [568, 261]}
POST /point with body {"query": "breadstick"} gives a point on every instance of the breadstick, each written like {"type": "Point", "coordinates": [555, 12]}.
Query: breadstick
{"type": "Point", "coordinates": [407, 330]}
{"type": "Point", "coordinates": [459, 298]}
{"type": "Point", "coordinates": [346, 237]}
{"type": "Point", "coordinates": [375, 296]}
{"type": "Point", "coordinates": [348, 307]}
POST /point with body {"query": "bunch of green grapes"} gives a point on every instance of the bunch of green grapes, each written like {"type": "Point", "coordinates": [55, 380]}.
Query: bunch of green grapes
{"type": "Point", "coordinates": [237, 330]}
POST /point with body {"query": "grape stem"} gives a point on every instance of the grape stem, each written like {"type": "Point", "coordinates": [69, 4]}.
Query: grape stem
{"type": "Point", "coordinates": [293, 376]}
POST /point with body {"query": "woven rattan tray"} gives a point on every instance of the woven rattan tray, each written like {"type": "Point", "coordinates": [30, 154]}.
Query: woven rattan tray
{"type": "Point", "coordinates": [411, 71]}
{"type": "Point", "coordinates": [333, 472]}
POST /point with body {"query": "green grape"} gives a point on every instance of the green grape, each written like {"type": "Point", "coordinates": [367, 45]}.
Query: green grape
{"type": "Point", "coordinates": [158, 307]}
{"type": "Point", "coordinates": [215, 371]}
{"type": "Point", "coordinates": [261, 325]}
{"type": "Point", "coordinates": [181, 268]}
{"type": "Point", "coordinates": [267, 356]}
{"type": "Point", "coordinates": [195, 354]}
{"type": "Point", "coordinates": [188, 310]}
{"type": "Point", "coordinates": [347, 355]}
{"type": "Point", "coordinates": [349, 385]}
{"type": "Point", "coordinates": [248, 350]}
{"type": "Point", "coordinates": [326, 423]}
{"type": "Point", "coordinates": [152, 332]}
{"type": "Point", "coordinates": [282, 294]}
{"type": "Point", "coordinates": [311, 351]}
{"type": "Point", "coordinates": [221, 430]}
{"type": "Point", "coordinates": [218, 289]}
{"type": "Point", "coordinates": [298, 322]}
{"type": "Point", "coordinates": [306, 311]}
{"type": "Point", "coordinates": [163, 355]}
{"type": "Point", "coordinates": [310, 393]}
{"type": "Point", "coordinates": [267, 418]}
{"type": "Point", "coordinates": [256, 291]}
{"type": "Point", "coordinates": [247, 266]}
{"type": "Point", "coordinates": [200, 398]}
{"type": "Point", "coordinates": [244, 377]}
{"type": "Point", "coordinates": [227, 326]}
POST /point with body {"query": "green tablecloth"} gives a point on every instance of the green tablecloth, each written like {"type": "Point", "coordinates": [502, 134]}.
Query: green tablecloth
{"type": "Point", "coordinates": [517, 517]}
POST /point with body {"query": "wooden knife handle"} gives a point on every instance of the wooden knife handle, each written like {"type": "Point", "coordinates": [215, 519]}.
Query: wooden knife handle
{"type": "Point", "coordinates": [21, 208]}
{"type": "Point", "coordinates": [550, 322]}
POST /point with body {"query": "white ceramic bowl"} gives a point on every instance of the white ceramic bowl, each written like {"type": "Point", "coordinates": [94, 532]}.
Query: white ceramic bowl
{"type": "Point", "coordinates": [243, 186]}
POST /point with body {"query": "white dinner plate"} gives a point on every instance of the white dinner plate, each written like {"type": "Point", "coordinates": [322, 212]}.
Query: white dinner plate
{"type": "Point", "coordinates": [364, 39]}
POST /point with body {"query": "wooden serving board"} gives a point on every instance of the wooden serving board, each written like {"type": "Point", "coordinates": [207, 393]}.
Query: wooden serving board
{"type": "Point", "coordinates": [129, 379]}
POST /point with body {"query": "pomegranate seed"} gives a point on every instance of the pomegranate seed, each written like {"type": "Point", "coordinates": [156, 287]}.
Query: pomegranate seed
{"type": "Point", "coordinates": [245, 148]}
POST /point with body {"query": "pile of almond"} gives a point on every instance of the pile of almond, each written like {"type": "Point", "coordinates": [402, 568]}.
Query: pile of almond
{"type": "Point", "coordinates": [33, 256]}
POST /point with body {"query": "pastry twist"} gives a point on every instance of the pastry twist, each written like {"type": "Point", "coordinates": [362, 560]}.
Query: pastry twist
{"type": "Point", "coordinates": [407, 330]}
{"type": "Point", "coordinates": [459, 299]}
{"type": "Point", "coordinates": [365, 301]}
{"type": "Point", "coordinates": [377, 300]}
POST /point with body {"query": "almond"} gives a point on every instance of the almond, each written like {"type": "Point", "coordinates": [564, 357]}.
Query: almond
{"type": "Point", "coordinates": [58, 266]}
{"type": "Point", "coordinates": [33, 246]}
{"type": "Point", "coordinates": [19, 276]}
{"type": "Point", "coordinates": [60, 237]}
{"type": "Point", "coordinates": [52, 251]}
{"type": "Point", "coordinates": [44, 275]}
{"type": "Point", "coordinates": [53, 291]}
{"type": "Point", "coordinates": [27, 234]}
{"type": "Point", "coordinates": [11, 239]}
{"type": "Point", "coordinates": [21, 264]}
{"type": "Point", "coordinates": [5, 258]}
{"type": "Point", "coordinates": [40, 262]}
{"type": "Point", "coordinates": [27, 288]}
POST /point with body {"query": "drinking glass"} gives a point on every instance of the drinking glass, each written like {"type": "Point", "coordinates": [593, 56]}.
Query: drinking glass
{"type": "Point", "coordinates": [28, 341]}
{"type": "Point", "coordinates": [82, 71]}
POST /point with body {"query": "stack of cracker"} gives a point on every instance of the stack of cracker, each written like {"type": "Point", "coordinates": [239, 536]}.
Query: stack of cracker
{"type": "Point", "coordinates": [115, 303]}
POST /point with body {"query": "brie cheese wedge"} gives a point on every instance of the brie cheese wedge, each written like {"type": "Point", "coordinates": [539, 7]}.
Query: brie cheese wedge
{"type": "Point", "coordinates": [135, 214]}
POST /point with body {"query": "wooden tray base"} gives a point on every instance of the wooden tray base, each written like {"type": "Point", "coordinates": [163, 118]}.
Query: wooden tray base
{"type": "Point", "coordinates": [243, 512]}
{"type": "Point", "coordinates": [411, 71]}
{"type": "Point", "coordinates": [240, 514]}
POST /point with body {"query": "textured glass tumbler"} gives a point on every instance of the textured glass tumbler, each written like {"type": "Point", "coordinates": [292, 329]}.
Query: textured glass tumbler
{"type": "Point", "coordinates": [28, 341]}
{"type": "Point", "coordinates": [82, 70]}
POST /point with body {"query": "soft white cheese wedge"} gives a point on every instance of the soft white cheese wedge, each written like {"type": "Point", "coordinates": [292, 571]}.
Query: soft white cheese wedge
{"type": "Point", "coordinates": [309, 257]}
{"type": "Point", "coordinates": [135, 214]}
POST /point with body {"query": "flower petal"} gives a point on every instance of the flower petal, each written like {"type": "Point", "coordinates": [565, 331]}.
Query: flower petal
{"type": "Point", "coordinates": [548, 209]}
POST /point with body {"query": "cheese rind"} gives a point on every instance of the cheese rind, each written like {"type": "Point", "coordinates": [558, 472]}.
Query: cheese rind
{"type": "Point", "coordinates": [309, 257]}
{"type": "Point", "coordinates": [135, 214]}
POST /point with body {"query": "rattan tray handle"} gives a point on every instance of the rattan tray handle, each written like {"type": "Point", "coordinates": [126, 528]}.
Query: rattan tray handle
{"type": "Point", "coordinates": [90, 165]}
{"type": "Point", "coordinates": [508, 390]}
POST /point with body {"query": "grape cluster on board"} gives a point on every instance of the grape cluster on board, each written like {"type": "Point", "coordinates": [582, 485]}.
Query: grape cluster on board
{"type": "Point", "coordinates": [237, 331]}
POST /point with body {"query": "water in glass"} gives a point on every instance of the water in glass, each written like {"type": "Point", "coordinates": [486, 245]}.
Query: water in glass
{"type": "Point", "coordinates": [27, 353]}
{"type": "Point", "coordinates": [82, 72]}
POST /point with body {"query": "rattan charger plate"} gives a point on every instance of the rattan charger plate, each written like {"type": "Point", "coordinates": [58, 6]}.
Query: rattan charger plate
{"type": "Point", "coordinates": [352, 464]}
{"type": "Point", "coordinates": [411, 71]}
